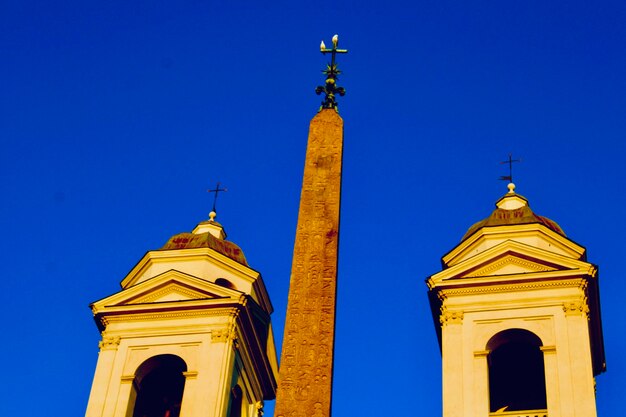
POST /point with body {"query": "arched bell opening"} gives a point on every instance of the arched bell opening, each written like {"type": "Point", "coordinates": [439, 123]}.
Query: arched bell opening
{"type": "Point", "coordinates": [516, 371]}
{"type": "Point", "coordinates": [158, 387]}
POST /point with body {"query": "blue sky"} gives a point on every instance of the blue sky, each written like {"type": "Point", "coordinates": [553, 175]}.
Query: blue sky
{"type": "Point", "coordinates": [117, 116]}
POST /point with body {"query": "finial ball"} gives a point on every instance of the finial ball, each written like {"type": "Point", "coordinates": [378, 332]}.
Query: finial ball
{"type": "Point", "coordinates": [511, 187]}
{"type": "Point", "coordinates": [212, 216]}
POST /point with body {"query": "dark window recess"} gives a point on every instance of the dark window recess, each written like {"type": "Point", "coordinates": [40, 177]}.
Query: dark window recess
{"type": "Point", "coordinates": [223, 282]}
{"type": "Point", "coordinates": [516, 372]}
{"type": "Point", "coordinates": [236, 400]}
{"type": "Point", "coordinates": [159, 384]}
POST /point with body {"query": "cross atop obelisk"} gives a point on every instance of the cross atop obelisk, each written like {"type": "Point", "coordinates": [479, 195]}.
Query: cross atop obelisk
{"type": "Point", "coordinates": [306, 368]}
{"type": "Point", "coordinates": [332, 75]}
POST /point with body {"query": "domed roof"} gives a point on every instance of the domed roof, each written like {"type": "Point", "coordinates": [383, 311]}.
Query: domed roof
{"type": "Point", "coordinates": [208, 234]}
{"type": "Point", "coordinates": [513, 209]}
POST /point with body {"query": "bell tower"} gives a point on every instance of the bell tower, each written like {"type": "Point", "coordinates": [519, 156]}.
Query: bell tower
{"type": "Point", "coordinates": [517, 314]}
{"type": "Point", "coordinates": [189, 334]}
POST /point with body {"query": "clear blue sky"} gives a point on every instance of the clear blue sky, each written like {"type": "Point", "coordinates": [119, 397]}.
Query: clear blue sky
{"type": "Point", "coordinates": [117, 116]}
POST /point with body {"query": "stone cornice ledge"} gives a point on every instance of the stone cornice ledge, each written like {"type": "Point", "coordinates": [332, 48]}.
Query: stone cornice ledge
{"type": "Point", "coordinates": [503, 287]}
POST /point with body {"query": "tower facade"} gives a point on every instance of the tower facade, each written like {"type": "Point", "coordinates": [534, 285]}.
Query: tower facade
{"type": "Point", "coordinates": [188, 335]}
{"type": "Point", "coordinates": [517, 314]}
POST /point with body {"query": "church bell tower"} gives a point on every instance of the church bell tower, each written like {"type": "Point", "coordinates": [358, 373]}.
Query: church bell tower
{"type": "Point", "coordinates": [517, 314]}
{"type": "Point", "coordinates": [189, 334]}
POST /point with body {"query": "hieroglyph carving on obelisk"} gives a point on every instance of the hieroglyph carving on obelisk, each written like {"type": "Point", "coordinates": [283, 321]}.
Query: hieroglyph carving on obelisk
{"type": "Point", "coordinates": [306, 369]}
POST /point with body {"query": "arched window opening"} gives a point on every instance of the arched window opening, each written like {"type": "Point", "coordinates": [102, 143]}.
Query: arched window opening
{"type": "Point", "coordinates": [225, 283]}
{"type": "Point", "coordinates": [159, 383]}
{"type": "Point", "coordinates": [516, 372]}
{"type": "Point", "coordinates": [236, 400]}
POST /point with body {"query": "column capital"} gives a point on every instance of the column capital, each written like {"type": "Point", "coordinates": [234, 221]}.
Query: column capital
{"type": "Point", "coordinates": [109, 343]}
{"type": "Point", "coordinates": [576, 308]}
{"type": "Point", "coordinates": [224, 334]}
{"type": "Point", "coordinates": [450, 317]}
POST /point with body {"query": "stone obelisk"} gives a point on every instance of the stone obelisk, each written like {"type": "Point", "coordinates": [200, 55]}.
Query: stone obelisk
{"type": "Point", "coordinates": [306, 369]}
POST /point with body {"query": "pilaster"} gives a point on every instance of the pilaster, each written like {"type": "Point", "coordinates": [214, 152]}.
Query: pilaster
{"type": "Point", "coordinates": [481, 383]}
{"type": "Point", "coordinates": [576, 317]}
{"type": "Point", "coordinates": [223, 343]}
{"type": "Point", "coordinates": [104, 368]}
{"type": "Point", "coordinates": [452, 358]}
{"type": "Point", "coordinates": [553, 400]}
{"type": "Point", "coordinates": [190, 394]}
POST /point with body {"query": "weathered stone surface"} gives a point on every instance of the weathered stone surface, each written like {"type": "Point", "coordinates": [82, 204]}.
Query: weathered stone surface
{"type": "Point", "coordinates": [305, 378]}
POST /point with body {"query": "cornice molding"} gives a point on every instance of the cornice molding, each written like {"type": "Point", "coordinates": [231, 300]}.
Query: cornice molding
{"type": "Point", "coordinates": [499, 287]}
{"type": "Point", "coordinates": [216, 303]}
{"type": "Point", "coordinates": [166, 280]}
{"type": "Point", "coordinates": [134, 317]}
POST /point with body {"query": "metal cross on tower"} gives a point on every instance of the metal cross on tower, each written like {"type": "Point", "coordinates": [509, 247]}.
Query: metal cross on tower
{"type": "Point", "coordinates": [217, 190]}
{"type": "Point", "coordinates": [510, 161]}
{"type": "Point", "coordinates": [332, 75]}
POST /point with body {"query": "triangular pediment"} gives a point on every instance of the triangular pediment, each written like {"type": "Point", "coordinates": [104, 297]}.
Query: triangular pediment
{"type": "Point", "coordinates": [508, 264]}
{"type": "Point", "coordinates": [535, 235]}
{"type": "Point", "coordinates": [195, 260]}
{"type": "Point", "coordinates": [171, 286]}
{"type": "Point", "coordinates": [171, 291]}
{"type": "Point", "coordinates": [513, 259]}
{"type": "Point", "coordinates": [204, 264]}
